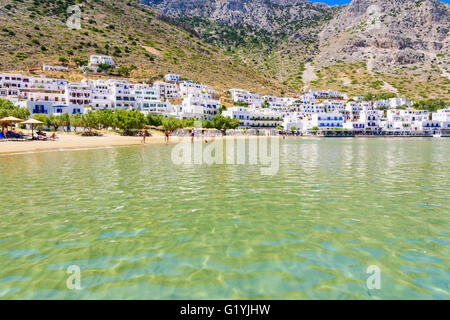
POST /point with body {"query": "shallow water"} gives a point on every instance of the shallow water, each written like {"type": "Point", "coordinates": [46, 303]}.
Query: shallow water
{"type": "Point", "coordinates": [140, 227]}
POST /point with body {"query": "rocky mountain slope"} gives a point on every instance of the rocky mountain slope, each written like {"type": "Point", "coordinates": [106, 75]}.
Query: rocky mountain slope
{"type": "Point", "coordinates": [393, 45]}
{"type": "Point", "coordinates": [268, 46]}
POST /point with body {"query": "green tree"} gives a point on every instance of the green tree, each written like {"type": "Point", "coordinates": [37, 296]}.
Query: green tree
{"type": "Point", "coordinates": [207, 124]}
{"type": "Point", "coordinates": [222, 123]}
{"type": "Point", "coordinates": [63, 120]}
{"type": "Point", "coordinates": [105, 118]}
{"type": "Point", "coordinates": [63, 60]}
{"type": "Point", "coordinates": [171, 123]}
{"type": "Point", "coordinates": [127, 120]}
{"type": "Point", "coordinates": [126, 70]}
{"type": "Point", "coordinates": [90, 120]}
{"type": "Point", "coordinates": [81, 62]}
{"type": "Point", "coordinates": [187, 123]}
{"type": "Point", "coordinates": [76, 121]}
{"type": "Point", "coordinates": [40, 117]}
{"type": "Point", "coordinates": [431, 105]}
{"type": "Point", "coordinates": [52, 121]}
{"type": "Point", "coordinates": [154, 120]}
{"type": "Point", "coordinates": [8, 109]}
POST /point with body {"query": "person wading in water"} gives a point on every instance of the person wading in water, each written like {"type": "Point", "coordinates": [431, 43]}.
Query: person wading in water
{"type": "Point", "coordinates": [166, 133]}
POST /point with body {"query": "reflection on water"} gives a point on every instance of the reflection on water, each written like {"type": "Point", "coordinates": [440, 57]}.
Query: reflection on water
{"type": "Point", "coordinates": [141, 227]}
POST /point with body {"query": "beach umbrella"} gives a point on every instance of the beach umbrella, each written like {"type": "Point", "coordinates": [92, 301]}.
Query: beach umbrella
{"type": "Point", "coordinates": [10, 120]}
{"type": "Point", "coordinates": [32, 122]}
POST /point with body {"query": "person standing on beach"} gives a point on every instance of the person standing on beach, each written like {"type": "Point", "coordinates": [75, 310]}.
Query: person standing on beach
{"type": "Point", "coordinates": [192, 136]}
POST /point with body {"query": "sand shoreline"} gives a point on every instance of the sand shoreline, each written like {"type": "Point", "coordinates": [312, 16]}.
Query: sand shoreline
{"type": "Point", "coordinates": [70, 142]}
{"type": "Point", "coordinates": [67, 142]}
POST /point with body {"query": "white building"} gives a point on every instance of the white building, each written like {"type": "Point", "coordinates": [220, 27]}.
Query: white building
{"type": "Point", "coordinates": [397, 102]}
{"type": "Point", "coordinates": [79, 94]}
{"type": "Point", "coordinates": [426, 126]}
{"type": "Point", "coordinates": [327, 94]}
{"type": "Point", "coordinates": [293, 121]}
{"type": "Point", "coordinates": [333, 105]}
{"type": "Point", "coordinates": [121, 95]}
{"type": "Point", "coordinates": [101, 94]}
{"type": "Point", "coordinates": [195, 89]}
{"type": "Point", "coordinates": [95, 60]}
{"type": "Point", "coordinates": [200, 108]}
{"type": "Point", "coordinates": [254, 118]}
{"type": "Point", "coordinates": [244, 96]}
{"type": "Point", "coordinates": [307, 108]}
{"type": "Point", "coordinates": [407, 115]}
{"type": "Point", "coordinates": [167, 90]}
{"type": "Point", "coordinates": [11, 84]}
{"type": "Point", "coordinates": [149, 101]}
{"type": "Point", "coordinates": [46, 67]}
{"type": "Point", "coordinates": [172, 77]}
{"type": "Point", "coordinates": [276, 103]}
{"type": "Point", "coordinates": [368, 121]}
{"type": "Point", "coordinates": [442, 115]}
{"type": "Point", "coordinates": [353, 109]}
{"type": "Point", "coordinates": [49, 108]}
{"type": "Point", "coordinates": [324, 121]}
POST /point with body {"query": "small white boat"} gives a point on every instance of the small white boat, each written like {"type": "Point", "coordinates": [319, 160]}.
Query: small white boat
{"type": "Point", "coordinates": [437, 135]}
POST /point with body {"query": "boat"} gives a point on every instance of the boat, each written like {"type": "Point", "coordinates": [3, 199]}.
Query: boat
{"type": "Point", "coordinates": [437, 135]}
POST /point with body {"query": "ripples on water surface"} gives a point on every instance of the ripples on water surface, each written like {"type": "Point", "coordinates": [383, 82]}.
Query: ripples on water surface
{"type": "Point", "coordinates": [140, 227]}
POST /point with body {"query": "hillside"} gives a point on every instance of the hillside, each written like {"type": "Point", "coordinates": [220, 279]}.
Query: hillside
{"type": "Point", "coordinates": [35, 32]}
{"type": "Point", "coordinates": [400, 46]}
{"type": "Point", "coordinates": [266, 46]}
{"type": "Point", "coordinates": [403, 44]}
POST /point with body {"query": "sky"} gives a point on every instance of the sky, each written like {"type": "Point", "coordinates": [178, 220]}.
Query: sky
{"type": "Point", "coordinates": [333, 2]}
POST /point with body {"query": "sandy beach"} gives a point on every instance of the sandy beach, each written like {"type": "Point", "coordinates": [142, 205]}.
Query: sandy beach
{"type": "Point", "coordinates": [69, 141]}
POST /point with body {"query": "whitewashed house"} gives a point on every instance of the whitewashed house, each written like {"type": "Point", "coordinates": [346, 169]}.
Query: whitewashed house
{"type": "Point", "coordinates": [172, 77]}
{"type": "Point", "coordinates": [188, 89]}
{"type": "Point", "coordinates": [244, 96]}
{"type": "Point", "coordinates": [49, 107]}
{"type": "Point", "coordinates": [241, 113]}
{"type": "Point", "coordinates": [46, 67]}
{"type": "Point", "coordinates": [441, 115]}
{"type": "Point", "coordinates": [11, 85]}
{"type": "Point", "coordinates": [324, 121]}
{"type": "Point", "coordinates": [79, 94]}
{"type": "Point", "coordinates": [253, 117]}
{"type": "Point", "coordinates": [397, 102]}
{"type": "Point", "coordinates": [200, 108]}
{"type": "Point", "coordinates": [95, 60]}
{"type": "Point", "coordinates": [122, 95]}
{"type": "Point", "coordinates": [167, 90]}
{"type": "Point", "coordinates": [333, 105]}
{"type": "Point", "coordinates": [101, 94]}
{"type": "Point", "coordinates": [293, 121]}
{"type": "Point", "coordinates": [307, 108]}
{"type": "Point", "coordinates": [149, 101]}
{"type": "Point", "coordinates": [427, 127]}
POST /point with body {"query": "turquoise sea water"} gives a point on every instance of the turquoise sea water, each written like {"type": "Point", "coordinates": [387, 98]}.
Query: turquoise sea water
{"type": "Point", "coordinates": [140, 227]}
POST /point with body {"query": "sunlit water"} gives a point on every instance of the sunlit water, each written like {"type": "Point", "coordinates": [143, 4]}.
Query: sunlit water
{"type": "Point", "coordinates": [140, 227]}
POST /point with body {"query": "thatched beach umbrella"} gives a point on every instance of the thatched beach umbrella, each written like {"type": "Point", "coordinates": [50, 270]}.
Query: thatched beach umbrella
{"type": "Point", "coordinates": [10, 120]}
{"type": "Point", "coordinates": [32, 122]}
